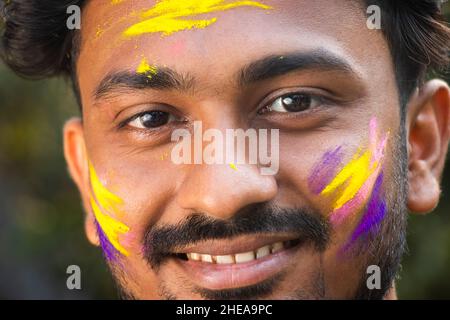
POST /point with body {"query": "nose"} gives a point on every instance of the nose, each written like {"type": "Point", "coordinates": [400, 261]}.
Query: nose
{"type": "Point", "coordinates": [221, 190]}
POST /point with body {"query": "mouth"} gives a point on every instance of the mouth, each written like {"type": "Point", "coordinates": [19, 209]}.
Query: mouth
{"type": "Point", "coordinates": [237, 263]}
{"type": "Point", "coordinates": [241, 257]}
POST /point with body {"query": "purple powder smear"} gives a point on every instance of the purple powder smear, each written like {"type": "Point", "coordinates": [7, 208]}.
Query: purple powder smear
{"type": "Point", "coordinates": [325, 170]}
{"type": "Point", "coordinates": [375, 212]}
{"type": "Point", "coordinates": [109, 251]}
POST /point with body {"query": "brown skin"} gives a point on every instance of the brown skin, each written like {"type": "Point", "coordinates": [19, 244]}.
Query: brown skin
{"type": "Point", "coordinates": [158, 192]}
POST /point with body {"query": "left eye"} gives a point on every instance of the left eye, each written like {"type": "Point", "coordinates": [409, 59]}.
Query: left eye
{"type": "Point", "coordinates": [151, 119]}
{"type": "Point", "coordinates": [297, 102]}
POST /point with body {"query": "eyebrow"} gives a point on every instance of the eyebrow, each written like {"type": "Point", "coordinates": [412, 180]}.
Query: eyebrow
{"type": "Point", "coordinates": [279, 65]}
{"type": "Point", "coordinates": [263, 69]}
{"type": "Point", "coordinates": [163, 79]}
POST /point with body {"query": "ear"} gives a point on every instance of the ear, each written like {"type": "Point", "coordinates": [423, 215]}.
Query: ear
{"type": "Point", "coordinates": [77, 162]}
{"type": "Point", "coordinates": [428, 138]}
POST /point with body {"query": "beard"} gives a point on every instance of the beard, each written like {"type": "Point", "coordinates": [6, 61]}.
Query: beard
{"type": "Point", "coordinates": [383, 246]}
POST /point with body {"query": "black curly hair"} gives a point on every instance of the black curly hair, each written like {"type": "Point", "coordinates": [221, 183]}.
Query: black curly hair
{"type": "Point", "coordinates": [36, 43]}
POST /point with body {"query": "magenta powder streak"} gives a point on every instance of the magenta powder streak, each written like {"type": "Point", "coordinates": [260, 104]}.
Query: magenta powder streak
{"type": "Point", "coordinates": [325, 171]}
{"type": "Point", "coordinates": [109, 251]}
{"type": "Point", "coordinates": [375, 212]}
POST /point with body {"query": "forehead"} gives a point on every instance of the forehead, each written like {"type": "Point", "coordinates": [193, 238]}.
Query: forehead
{"type": "Point", "coordinates": [236, 36]}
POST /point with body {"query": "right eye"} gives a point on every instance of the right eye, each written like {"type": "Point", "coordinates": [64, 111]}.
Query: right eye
{"type": "Point", "coordinates": [151, 119]}
{"type": "Point", "coordinates": [293, 103]}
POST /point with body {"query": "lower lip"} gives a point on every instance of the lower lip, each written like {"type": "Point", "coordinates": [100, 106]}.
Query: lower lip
{"type": "Point", "coordinates": [228, 276]}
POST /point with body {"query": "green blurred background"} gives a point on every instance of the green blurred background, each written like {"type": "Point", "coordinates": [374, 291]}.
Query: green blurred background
{"type": "Point", "coordinates": [41, 220]}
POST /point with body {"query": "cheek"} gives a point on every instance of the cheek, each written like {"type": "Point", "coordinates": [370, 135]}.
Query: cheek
{"type": "Point", "coordinates": [352, 191]}
{"type": "Point", "coordinates": [147, 182]}
{"type": "Point", "coordinates": [108, 212]}
{"type": "Point", "coordinates": [127, 197]}
{"type": "Point", "coordinates": [297, 156]}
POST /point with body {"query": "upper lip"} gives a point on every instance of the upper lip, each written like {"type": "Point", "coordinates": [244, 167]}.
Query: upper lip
{"type": "Point", "coordinates": [235, 245]}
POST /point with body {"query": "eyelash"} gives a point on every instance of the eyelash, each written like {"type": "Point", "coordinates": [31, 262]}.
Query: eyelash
{"type": "Point", "coordinates": [127, 121]}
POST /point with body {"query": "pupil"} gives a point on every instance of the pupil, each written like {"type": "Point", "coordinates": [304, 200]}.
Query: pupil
{"type": "Point", "coordinates": [296, 103]}
{"type": "Point", "coordinates": [154, 119]}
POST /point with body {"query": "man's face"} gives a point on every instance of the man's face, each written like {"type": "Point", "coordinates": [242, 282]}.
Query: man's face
{"type": "Point", "coordinates": [328, 86]}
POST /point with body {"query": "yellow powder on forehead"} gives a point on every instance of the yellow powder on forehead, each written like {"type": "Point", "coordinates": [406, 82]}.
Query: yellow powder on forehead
{"type": "Point", "coordinates": [170, 16]}
{"type": "Point", "coordinates": [146, 69]}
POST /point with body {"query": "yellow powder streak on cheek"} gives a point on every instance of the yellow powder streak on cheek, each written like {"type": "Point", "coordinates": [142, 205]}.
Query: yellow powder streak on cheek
{"type": "Point", "coordinates": [166, 15]}
{"type": "Point", "coordinates": [109, 203]}
{"type": "Point", "coordinates": [107, 200]}
{"type": "Point", "coordinates": [356, 172]}
{"type": "Point", "coordinates": [352, 178]}
{"type": "Point", "coordinates": [111, 227]}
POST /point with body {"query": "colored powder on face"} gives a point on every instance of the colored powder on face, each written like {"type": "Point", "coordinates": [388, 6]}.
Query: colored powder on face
{"type": "Point", "coordinates": [363, 194]}
{"type": "Point", "coordinates": [375, 212]}
{"type": "Point", "coordinates": [164, 156]}
{"type": "Point", "coordinates": [109, 251]}
{"type": "Point", "coordinates": [356, 203]}
{"type": "Point", "coordinates": [357, 186]}
{"type": "Point", "coordinates": [350, 189]}
{"type": "Point", "coordinates": [111, 227]}
{"type": "Point", "coordinates": [169, 16]}
{"type": "Point", "coordinates": [325, 170]}
{"type": "Point", "coordinates": [178, 48]}
{"type": "Point", "coordinates": [146, 69]}
{"type": "Point", "coordinates": [354, 174]}
{"type": "Point", "coordinates": [358, 172]}
{"type": "Point", "coordinates": [106, 199]}
{"type": "Point", "coordinates": [107, 204]}
{"type": "Point", "coordinates": [99, 32]}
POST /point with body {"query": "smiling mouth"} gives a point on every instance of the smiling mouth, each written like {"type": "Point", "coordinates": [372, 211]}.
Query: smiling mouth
{"type": "Point", "coordinates": [239, 262]}
{"type": "Point", "coordinates": [241, 257]}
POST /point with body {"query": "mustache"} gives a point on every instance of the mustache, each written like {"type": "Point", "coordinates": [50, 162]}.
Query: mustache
{"type": "Point", "coordinates": [160, 241]}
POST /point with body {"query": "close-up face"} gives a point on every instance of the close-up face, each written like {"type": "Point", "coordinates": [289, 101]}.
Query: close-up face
{"type": "Point", "coordinates": [338, 159]}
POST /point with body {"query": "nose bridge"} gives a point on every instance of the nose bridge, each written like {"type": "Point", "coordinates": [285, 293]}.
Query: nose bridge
{"type": "Point", "coordinates": [218, 186]}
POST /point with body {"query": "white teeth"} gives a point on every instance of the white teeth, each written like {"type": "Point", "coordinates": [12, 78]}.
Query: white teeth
{"type": "Point", "coordinates": [245, 257]}
{"type": "Point", "coordinates": [238, 257]}
{"type": "Point", "coordinates": [262, 252]}
{"type": "Point", "coordinates": [278, 246]}
{"type": "Point", "coordinates": [194, 256]}
{"type": "Point", "coordinates": [224, 259]}
{"type": "Point", "coordinates": [206, 258]}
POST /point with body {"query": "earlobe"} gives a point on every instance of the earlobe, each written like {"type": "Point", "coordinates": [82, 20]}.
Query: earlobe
{"type": "Point", "coordinates": [91, 230]}
{"type": "Point", "coordinates": [77, 162]}
{"type": "Point", "coordinates": [424, 190]}
{"type": "Point", "coordinates": [428, 137]}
